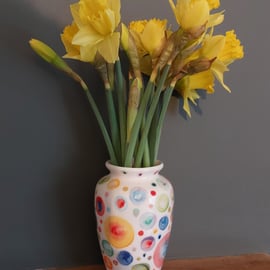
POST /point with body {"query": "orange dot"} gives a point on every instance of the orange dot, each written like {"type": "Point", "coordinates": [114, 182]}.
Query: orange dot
{"type": "Point", "coordinates": [113, 184]}
{"type": "Point", "coordinates": [107, 262]}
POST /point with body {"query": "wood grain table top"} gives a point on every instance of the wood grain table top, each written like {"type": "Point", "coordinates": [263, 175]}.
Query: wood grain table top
{"type": "Point", "coordinates": [243, 262]}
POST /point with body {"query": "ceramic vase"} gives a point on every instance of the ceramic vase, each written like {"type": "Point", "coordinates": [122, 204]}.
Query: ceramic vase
{"type": "Point", "coordinates": [133, 209]}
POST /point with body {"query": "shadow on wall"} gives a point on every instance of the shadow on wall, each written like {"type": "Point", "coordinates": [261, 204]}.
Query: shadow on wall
{"type": "Point", "coordinates": [52, 221]}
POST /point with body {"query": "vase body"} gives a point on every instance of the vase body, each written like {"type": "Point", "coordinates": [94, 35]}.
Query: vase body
{"type": "Point", "coordinates": [133, 209]}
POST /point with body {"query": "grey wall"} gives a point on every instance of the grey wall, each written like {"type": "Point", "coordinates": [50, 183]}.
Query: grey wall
{"type": "Point", "coordinates": [51, 151]}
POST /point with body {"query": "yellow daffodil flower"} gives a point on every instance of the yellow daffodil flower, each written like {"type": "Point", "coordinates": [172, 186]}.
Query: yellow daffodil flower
{"type": "Point", "coordinates": [150, 37]}
{"type": "Point", "coordinates": [96, 21]}
{"type": "Point", "coordinates": [226, 49]}
{"type": "Point", "coordinates": [190, 14]}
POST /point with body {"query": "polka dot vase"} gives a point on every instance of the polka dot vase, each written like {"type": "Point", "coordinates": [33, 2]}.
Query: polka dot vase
{"type": "Point", "coordinates": [134, 217]}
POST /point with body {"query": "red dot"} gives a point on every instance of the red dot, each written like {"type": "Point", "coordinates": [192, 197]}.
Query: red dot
{"type": "Point", "coordinates": [120, 203]}
{"type": "Point", "coordinates": [140, 233]}
{"type": "Point", "coordinates": [153, 193]}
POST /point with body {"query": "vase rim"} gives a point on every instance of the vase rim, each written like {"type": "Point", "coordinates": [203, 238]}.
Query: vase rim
{"type": "Point", "coordinates": [159, 166]}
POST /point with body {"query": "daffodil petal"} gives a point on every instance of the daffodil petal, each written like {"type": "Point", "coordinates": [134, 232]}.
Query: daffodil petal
{"type": "Point", "coordinates": [218, 68]}
{"type": "Point", "coordinates": [87, 36]}
{"type": "Point", "coordinates": [88, 53]}
{"type": "Point", "coordinates": [215, 19]}
{"type": "Point", "coordinates": [108, 47]}
{"type": "Point", "coordinates": [74, 9]}
{"type": "Point", "coordinates": [153, 35]}
{"type": "Point", "coordinates": [115, 5]}
{"type": "Point", "coordinates": [186, 107]}
{"type": "Point", "coordinates": [213, 46]}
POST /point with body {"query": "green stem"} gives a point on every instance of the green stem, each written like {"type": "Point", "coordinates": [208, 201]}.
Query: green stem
{"type": "Point", "coordinates": [101, 124]}
{"type": "Point", "coordinates": [150, 115]}
{"type": "Point", "coordinates": [146, 155]}
{"type": "Point", "coordinates": [121, 98]}
{"type": "Point", "coordinates": [166, 100]}
{"type": "Point", "coordinates": [113, 121]}
{"type": "Point", "coordinates": [137, 124]}
{"type": "Point", "coordinates": [153, 130]}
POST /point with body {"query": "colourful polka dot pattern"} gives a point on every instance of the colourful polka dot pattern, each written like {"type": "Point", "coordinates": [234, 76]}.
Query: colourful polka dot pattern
{"type": "Point", "coordinates": [134, 215]}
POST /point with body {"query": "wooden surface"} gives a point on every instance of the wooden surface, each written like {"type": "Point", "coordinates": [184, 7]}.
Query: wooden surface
{"type": "Point", "coordinates": [244, 262]}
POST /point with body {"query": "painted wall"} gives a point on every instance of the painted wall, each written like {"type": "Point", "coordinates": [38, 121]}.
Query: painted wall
{"type": "Point", "coordinates": [52, 153]}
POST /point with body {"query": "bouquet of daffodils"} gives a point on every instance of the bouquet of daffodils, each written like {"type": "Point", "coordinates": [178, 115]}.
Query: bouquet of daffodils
{"type": "Point", "coordinates": [162, 61]}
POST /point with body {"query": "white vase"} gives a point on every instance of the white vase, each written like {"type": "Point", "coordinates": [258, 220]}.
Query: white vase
{"type": "Point", "coordinates": [134, 217]}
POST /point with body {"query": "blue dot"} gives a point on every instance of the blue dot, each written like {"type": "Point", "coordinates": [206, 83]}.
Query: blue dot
{"type": "Point", "coordinates": [137, 195]}
{"type": "Point", "coordinates": [163, 223]}
{"type": "Point", "coordinates": [125, 258]}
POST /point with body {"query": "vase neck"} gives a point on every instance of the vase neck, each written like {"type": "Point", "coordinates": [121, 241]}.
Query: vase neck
{"type": "Point", "coordinates": [140, 172]}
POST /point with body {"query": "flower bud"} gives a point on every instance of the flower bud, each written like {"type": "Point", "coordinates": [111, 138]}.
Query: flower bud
{"type": "Point", "coordinates": [48, 54]}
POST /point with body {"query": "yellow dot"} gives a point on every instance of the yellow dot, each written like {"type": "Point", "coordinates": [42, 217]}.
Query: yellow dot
{"type": "Point", "coordinates": [125, 188]}
{"type": "Point", "coordinates": [114, 183]}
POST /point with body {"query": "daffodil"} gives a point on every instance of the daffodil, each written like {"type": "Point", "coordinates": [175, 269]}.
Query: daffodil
{"type": "Point", "coordinates": [226, 49]}
{"type": "Point", "coordinates": [96, 22]}
{"type": "Point", "coordinates": [191, 14]}
{"type": "Point", "coordinates": [150, 37]}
